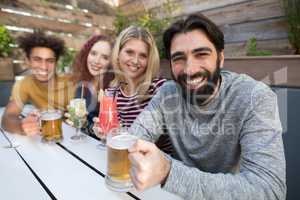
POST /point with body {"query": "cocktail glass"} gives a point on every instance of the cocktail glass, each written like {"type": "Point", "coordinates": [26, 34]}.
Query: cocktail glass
{"type": "Point", "coordinates": [77, 111]}
{"type": "Point", "coordinates": [108, 117]}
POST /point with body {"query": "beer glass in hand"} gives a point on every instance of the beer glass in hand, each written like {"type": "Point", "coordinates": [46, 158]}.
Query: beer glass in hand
{"type": "Point", "coordinates": [77, 114]}
{"type": "Point", "coordinates": [51, 122]}
{"type": "Point", "coordinates": [118, 164]}
{"type": "Point", "coordinates": [108, 117]}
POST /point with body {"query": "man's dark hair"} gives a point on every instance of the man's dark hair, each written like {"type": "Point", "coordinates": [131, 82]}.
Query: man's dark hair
{"type": "Point", "coordinates": [40, 39]}
{"type": "Point", "coordinates": [194, 22]}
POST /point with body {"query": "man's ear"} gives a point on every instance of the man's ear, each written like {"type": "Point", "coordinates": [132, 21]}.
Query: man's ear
{"type": "Point", "coordinates": [27, 61]}
{"type": "Point", "coordinates": [222, 58]}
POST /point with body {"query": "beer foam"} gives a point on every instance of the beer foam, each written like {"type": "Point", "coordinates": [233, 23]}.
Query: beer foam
{"type": "Point", "coordinates": [121, 141]}
{"type": "Point", "coordinates": [50, 116]}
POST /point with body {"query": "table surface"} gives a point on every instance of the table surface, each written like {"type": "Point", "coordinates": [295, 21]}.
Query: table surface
{"type": "Point", "coordinates": [12, 168]}
{"type": "Point", "coordinates": [63, 171]}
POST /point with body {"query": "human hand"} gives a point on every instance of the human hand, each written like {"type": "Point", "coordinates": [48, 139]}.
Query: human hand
{"type": "Point", "coordinates": [31, 124]}
{"type": "Point", "coordinates": [68, 119]}
{"type": "Point", "coordinates": [97, 130]}
{"type": "Point", "coordinates": [149, 166]}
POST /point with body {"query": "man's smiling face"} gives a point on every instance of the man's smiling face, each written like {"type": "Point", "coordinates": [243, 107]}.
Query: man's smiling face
{"type": "Point", "coordinates": [195, 65]}
{"type": "Point", "coordinates": [42, 62]}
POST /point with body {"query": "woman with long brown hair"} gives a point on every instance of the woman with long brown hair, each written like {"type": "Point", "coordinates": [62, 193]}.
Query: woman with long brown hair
{"type": "Point", "coordinates": [92, 72]}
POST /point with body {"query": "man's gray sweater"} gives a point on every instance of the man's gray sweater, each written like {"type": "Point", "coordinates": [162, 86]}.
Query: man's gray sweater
{"type": "Point", "coordinates": [229, 149]}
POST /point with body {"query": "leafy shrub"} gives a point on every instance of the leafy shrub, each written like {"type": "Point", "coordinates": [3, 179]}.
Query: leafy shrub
{"type": "Point", "coordinates": [252, 49]}
{"type": "Point", "coordinates": [292, 11]}
{"type": "Point", "coordinates": [66, 60]}
{"type": "Point", "coordinates": [5, 41]}
{"type": "Point", "coordinates": [149, 21]}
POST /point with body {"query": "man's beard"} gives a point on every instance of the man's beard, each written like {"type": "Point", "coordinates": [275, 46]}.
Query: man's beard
{"type": "Point", "coordinates": [200, 95]}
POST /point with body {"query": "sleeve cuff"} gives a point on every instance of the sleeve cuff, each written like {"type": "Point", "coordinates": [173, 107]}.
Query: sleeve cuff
{"type": "Point", "coordinates": [175, 177]}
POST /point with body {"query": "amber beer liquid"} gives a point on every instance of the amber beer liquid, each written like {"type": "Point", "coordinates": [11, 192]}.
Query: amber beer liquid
{"type": "Point", "coordinates": [118, 164]}
{"type": "Point", "coordinates": [51, 122]}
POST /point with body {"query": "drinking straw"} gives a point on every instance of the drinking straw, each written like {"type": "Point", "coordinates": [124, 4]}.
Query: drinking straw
{"type": "Point", "coordinates": [101, 94]}
{"type": "Point", "coordinates": [81, 91]}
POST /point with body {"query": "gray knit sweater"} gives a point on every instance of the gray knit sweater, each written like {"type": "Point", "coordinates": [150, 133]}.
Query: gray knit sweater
{"type": "Point", "coordinates": [230, 149]}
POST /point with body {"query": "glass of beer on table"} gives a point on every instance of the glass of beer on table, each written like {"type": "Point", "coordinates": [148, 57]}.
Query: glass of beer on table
{"type": "Point", "coordinates": [51, 123]}
{"type": "Point", "coordinates": [118, 165]}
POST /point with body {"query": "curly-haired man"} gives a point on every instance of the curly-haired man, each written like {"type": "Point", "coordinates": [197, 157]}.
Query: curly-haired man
{"type": "Point", "coordinates": [42, 87]}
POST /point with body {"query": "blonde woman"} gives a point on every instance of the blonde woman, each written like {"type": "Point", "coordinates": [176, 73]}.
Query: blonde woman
{"type": "Point", "coordinates": [135, 61]}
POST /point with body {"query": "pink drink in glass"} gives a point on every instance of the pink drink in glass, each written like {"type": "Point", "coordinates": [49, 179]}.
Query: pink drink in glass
{"type": "Point", "coordinates": [108, 115]}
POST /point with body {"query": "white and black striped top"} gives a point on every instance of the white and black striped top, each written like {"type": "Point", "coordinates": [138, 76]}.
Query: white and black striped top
{"type": "Point", "coordinates": [129, 107]}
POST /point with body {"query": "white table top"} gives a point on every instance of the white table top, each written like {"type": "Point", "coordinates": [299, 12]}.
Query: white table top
{"type": "Point", "coordinates": [3, 141]}
{"type": "Point", "coordinates": [17, 182]}
{"type": "Point", "coordinates": [64, 174]}
{"type": "Point", "coordinates": [96, 157]}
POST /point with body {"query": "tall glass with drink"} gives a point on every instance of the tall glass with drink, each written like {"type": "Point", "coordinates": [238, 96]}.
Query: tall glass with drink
{"type": "Point", "coordinates": [51, 123]}
{"type": "Point", "coordinates": [108, 116]}
{"type": "Point", "coordinates": [77, 112]}
{"type": "Point", "coordinates": [118, 164]}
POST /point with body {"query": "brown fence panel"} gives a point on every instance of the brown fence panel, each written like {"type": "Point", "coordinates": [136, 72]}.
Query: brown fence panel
{"type": "Point", "coordinates": [59, 11]}
{"type": "Point", "coordinates": [245, 12]}
{"type": "Point", "coordinates": [261, 30]}
{"type": "Point", "coordinates": [275, 71]}
{"type": "Point", "coordinates": [276, 47]}
{"type": "Point", "coordinates": [46, 24]}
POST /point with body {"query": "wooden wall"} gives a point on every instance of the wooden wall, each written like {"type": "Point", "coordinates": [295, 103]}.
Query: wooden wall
{"type": "Point", "coordinates": [240, 20]}
{"type": "Point", "coordinates": [73, 25]}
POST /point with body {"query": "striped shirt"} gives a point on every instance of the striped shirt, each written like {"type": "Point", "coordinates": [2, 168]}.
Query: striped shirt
{"type": "Point", "coordinates": [129, 107]}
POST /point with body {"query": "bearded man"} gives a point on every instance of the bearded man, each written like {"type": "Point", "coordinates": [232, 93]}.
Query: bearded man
{"type": "Point", "coordinates": [225, 127]}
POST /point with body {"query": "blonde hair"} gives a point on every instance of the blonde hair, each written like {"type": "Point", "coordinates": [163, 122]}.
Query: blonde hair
{"type": "Point", "coordinates": [152, 70]}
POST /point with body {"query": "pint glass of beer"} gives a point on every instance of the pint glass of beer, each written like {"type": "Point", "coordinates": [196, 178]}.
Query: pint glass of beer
{"type": "Point", "coordinates": [51, 121]}
{"type": "Point", "coordinates": [118, 165]}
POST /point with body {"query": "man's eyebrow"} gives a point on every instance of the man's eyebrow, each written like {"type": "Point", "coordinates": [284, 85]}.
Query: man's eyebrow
{"type": "Point", "coordinates": [200, 49]}
{"type": "Point", "coordinates": [177, 53]}
{"type": "Point", "coordinates": [35, 57]}
{"type": "Point", "coordinates": [38, 57]}
{"type": "Point", "coordinates": [52, 58]}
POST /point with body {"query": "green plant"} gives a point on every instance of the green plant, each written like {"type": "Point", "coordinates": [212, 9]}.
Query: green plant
{"type": "Point", "coordinates": [292, 11]}
{"type": "Point", "coordinates": [156, 26]}
{"type": "Point", "coordinates": [252, 49]}
{"type": "Point", "coordinates": [66, 60]}
{"type": "Point", "coordinates": [121, 22]}
{"type": "Point", "coordinates": [149, 21]}
{"type": "Point", "coordinates": [5, 41]}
